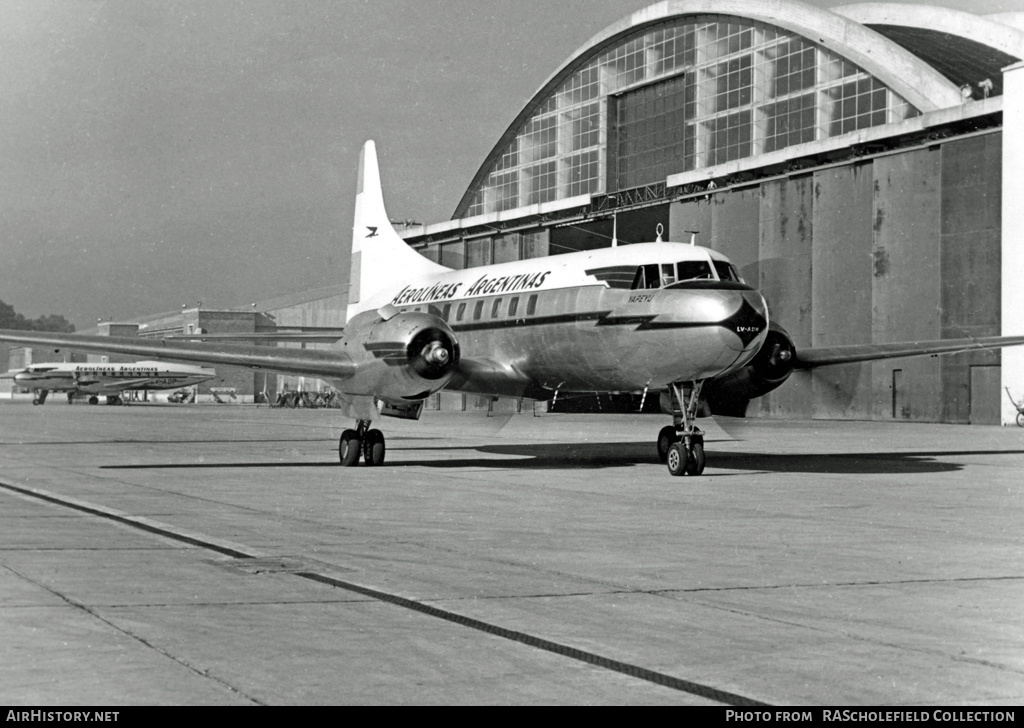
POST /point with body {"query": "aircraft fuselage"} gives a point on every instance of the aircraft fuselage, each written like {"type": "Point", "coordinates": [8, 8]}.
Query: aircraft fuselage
{"type": "Point", "coordinates": [592, 321]}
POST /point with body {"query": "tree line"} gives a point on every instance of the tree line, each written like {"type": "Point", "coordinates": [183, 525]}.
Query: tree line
{"type": "Point", "coordinates": [11, 319]}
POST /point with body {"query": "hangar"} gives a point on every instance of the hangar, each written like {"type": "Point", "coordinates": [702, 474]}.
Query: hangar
{"type": "Point", "coordinates": [858, 164]}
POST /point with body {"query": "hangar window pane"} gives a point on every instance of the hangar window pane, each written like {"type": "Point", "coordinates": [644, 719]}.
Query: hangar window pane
{"type": "Point", "coordinates": [540, 140]}
{"type": "Point", "coordinates": [584, 173]}
{"type": "Point", "coordinates": [510, 158]}
{"type": "Point", "coordinates": [794, 68]}
{"type": "Point", "coordinates": [857, 105]}
{"type": "Point", "coordinates": [732, 84]}
{"type": "Point", "coordinates": [541, 183]}
{"type": "Point", "coordinates": [586, 126]}
{"type": "Point", "coordinates": [789, 122]}
{"type": "Point", "coordinates": [504, 191]}
{"type": "Point", "coordinates": [729, 138]}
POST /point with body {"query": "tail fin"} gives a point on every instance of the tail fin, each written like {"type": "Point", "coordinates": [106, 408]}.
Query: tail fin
{"type": "Point", "coordinates": [379, 255]}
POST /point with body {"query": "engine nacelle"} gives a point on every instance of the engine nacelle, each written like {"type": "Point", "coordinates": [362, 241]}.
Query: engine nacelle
{"type": "Point", "coordinates": [400, 357]}
{"type": "Point", "coordinates": [768, 370]}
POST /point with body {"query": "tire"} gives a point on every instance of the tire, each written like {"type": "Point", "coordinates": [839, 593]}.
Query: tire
{"type": "Point", "coordinates": [665, 439]}
{"type": "Point", "coordinates": [94, 399]}
{"type": "Point", "coordinates": [677, 459]}
{"type": "Point", "coordinates": [1020, 419]}
{"type": "Point", "coordinates": [348, 448]}
{"type": "Point", "coordinates": [695, 465]}
{"type": "Point", "coordinates": [373, 448]}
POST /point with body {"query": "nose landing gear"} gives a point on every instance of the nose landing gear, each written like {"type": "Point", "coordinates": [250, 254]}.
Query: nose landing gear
{"type": "Point", "coordinates": [681, 445]}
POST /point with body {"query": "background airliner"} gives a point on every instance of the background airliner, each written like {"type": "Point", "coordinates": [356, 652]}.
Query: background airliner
{"type": "Point", "coordinates": [110, 380]}
{"type": "Point", "coordinates": [671, 320]}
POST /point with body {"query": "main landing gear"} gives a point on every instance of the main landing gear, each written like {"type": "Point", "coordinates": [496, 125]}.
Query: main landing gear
{"type": "Point", "coordinates": [681, 445]}
{"type": "Point", "coordinates": [40, 396]}
{"type": "Point", "coordinates": [361, 441]}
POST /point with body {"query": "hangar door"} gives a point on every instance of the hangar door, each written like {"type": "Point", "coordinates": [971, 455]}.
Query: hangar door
{"type": "Point", "coordinates": [649, 138]}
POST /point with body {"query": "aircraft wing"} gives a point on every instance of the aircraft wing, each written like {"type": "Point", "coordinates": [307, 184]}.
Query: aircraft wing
{"type": "Point", "coordinates": [826, 356]}
{"type": "Point", "coordinates": [315, 363]}
{"type": "Point", "coordinates": [306, 337]}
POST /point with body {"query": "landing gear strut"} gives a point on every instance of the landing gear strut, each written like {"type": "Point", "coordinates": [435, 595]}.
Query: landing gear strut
{"type": "Point", "coordinates": [361, 441]}
{"type": "Point", "coordinates": [681, 446]}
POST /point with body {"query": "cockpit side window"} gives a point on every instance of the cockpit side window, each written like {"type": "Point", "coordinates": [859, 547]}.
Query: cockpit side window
{"type": "Point", "coordinates": [694, 270]}
{"type": "Point", "coordinates": [726, 271]}
{"type": "Point", "coordinates": [647, 276]}
{"type": "Point", "coordinates": [668, 274]}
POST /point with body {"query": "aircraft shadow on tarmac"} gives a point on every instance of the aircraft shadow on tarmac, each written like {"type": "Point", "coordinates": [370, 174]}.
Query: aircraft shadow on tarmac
{"type": "Point", "coordinates": [552, 456]}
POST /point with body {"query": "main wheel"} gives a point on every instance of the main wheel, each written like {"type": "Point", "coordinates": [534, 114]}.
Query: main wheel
{"type": "Point", "coordinates": [373, 448]}
{"type": "Point", "coordinates": [677, 458]}
{"type": "Point", "coordinates": [695, 463]}
{"type": "Point", "coordinates": [665, 439]}
{"type": "Point", "coordinates": [1020, 419]}
{"type": "Point", "coordinates": [94, 399]}
{"type": "Point", "coordinates": [348, 448]}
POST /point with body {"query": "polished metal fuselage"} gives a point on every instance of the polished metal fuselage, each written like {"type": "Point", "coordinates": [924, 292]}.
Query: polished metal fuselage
{"type": "Point", "coordinates": [573, 323]}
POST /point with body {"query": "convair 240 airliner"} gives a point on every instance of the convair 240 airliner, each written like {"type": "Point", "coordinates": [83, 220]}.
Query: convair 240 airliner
{"type": "Point", "coordinates": [670, 319]}
{"type": "Point", "coordinates": [110, 380]}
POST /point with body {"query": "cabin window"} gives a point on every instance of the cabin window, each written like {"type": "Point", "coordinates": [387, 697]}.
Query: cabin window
{"type": "Point", "coordinates": [478, 310]}
{"type": "Point", "coordinates": [513, 306]}
{"type": "Point", "coordinates": [694, 270]}
{"type": "Point", "coordinates": [445, 311]}
{"type": "Point", "coordinates": [460, 312]}
{"type": "Point", "coordinates": [531, 305]}
{"type": "Point", "coordinates": [495, 308]}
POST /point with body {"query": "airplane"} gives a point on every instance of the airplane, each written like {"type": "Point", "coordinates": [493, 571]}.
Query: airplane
{"type": "Point", "coordinates": [672, 320]}
{"type": "Point", "coordinates": [111, 380]}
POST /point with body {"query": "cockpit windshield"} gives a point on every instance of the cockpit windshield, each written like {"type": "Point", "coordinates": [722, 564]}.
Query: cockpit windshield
{"type": "Point", "coordinates": [726, 271]}
{"type": "Point", "coordinates": [667, 274]}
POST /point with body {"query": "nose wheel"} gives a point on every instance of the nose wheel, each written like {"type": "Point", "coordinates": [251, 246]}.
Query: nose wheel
{"type": "Point", "coordinates": [681, 445]}
{"type": "Point", "coordinates": [361, 442]}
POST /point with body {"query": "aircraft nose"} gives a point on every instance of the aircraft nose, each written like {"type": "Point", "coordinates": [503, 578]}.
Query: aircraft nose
{"type": "Point", "coordinates": [745, 317]}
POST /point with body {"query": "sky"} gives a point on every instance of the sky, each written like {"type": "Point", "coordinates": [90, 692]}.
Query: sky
{"type": "Point", "coordinates": [157, 153]}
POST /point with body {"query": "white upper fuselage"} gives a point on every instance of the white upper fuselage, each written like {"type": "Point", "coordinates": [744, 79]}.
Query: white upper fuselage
{"type": "Point", "coordinates": [109, 378]}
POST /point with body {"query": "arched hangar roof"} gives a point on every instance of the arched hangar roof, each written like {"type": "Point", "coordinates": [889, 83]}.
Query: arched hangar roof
{"type": "Point", "coordinates": [918, 82]}
{"type": "Point", "coordinates": [963, 47]}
